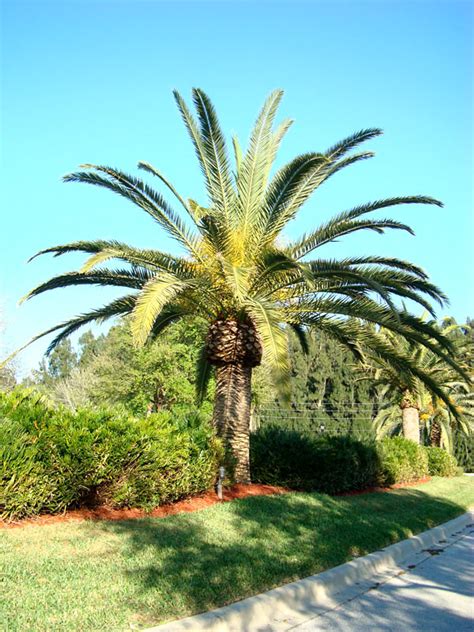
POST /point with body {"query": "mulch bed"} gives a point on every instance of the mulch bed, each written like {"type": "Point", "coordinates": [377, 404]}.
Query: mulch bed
{"type": "Point", "coordinates": [102, 512]}
{"type": "Point", "coordinates": [202, 501]}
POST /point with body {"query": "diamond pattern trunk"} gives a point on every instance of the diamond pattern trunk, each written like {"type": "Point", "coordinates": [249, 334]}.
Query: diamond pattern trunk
{"type": "Point", "coordinates": [232, 416]}
{"type": "Point", "coordinates": [435, 434]}
{"type": "Point", "coordinates": [233, 342]}
{"type": "Point", "coordinates": [234, 347]}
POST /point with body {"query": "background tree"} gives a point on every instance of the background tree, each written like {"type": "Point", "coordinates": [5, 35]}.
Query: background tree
{"type": "Point", "coordinates": [58, 365]}
{"type": "Point", "coordinates": [410, 400]}
{"type": "Point", "coordinates": [326, 394]}
{"type": "Point", "coordinates": [110, 371]}
{"type": "Point", "coordinates": [236, 274]}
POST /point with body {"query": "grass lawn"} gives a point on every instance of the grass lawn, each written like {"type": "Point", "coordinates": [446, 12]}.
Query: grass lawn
{"type": "Point", "coordinates": [122, 575]}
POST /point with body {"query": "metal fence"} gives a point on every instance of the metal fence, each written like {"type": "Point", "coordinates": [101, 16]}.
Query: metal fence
{"type": "Point", "coordinates": [319, 417]}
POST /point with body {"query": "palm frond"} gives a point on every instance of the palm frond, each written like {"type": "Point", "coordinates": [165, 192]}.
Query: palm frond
{"type": "Point", "coordinates": [118, 307]}
{"type": "Point", "coordinates": [170, 314]}
{"type": "Point", "coordinates": [155, 295]}
{"type": "Point", "coordinates": [253, 172]}
{"type": "Point", "coordinates": [351, 142]}
{"type": "Point", "coordinates": [103, 250]}
{"type": "Point", "coordinates": [267, 320]}
{"type": "Point", "coordinates": [140, 194]}
{"type": "Point", "coordinates": [344, 223]}
{"type": "Point", "coordinates": [121, 278]}
{"type": "Point", "coordinates": [214, 148]}
{"type": "Point", "coordinates": [203, 375]}
{"type": "Point", "coordinates": [302, 336]}
{"type": "Point", "coordinates": [146, 166]}
{"type": "Point", "coordinates": [198, 142]}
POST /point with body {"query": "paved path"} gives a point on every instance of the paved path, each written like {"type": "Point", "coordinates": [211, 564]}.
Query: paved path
{"type": "Point", "coordinates": [435, 596]}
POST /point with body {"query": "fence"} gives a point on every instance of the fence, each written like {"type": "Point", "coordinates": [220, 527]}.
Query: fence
{"type": "Point", "coordinates": [345, 418]}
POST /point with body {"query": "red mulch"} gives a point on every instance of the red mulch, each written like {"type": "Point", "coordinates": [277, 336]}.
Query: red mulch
{"type": "Point", "coordinates": [195, 503]}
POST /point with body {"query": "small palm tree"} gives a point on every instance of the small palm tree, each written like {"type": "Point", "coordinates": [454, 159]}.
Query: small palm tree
{"type": "Point", "coordinates": [439, 400]}
{"type": "Point", "coordinates": [236, 271]}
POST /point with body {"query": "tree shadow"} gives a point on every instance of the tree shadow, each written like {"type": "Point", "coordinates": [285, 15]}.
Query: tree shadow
{"type": "Point", "coordinates": [192, 563]}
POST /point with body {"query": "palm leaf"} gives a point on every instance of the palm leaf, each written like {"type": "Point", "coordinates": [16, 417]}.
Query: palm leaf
{"type": "Point", "coordinates": [203, 375]}
{"type": "Point", "coordinates": [155, 295]}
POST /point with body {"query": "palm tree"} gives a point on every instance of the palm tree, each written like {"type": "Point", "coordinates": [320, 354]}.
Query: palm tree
{"type": "Point", "coordinates": [239, 275]}
{"type": "Point", "coordinates": [417, 400]}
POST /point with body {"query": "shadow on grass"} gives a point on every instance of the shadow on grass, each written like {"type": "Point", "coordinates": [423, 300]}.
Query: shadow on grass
{"type": "Point", "coordinates": [191, 563]}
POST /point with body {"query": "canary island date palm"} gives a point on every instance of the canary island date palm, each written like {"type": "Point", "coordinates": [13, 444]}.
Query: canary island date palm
{"type": "Point", "coordinates": [414, 404]}
{"type": "Point", "coordinates": [236, 271]}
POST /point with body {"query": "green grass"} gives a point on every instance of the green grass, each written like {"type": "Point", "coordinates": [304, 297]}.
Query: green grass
{"type": "Point", "coordinates": [120, 575]}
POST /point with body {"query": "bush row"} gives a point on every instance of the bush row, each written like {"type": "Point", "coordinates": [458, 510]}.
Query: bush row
{"type": "Point", "coordinates": [54, 460]}
{"type": "Point", "coordinates": [339, 464]}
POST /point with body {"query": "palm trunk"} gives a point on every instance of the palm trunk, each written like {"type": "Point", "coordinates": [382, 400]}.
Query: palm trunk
{"type": "Point", "coordinates": [411, 423]}
{"type": "Point", "coordinates": [410, 417]}
{"type": "Point", "coordinates": [435, 434]}
{"type": "Point", "coordinates": [232, 416]}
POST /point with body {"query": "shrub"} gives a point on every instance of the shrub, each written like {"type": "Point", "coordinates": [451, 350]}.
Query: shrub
{"type": "Point", "coordinates": [440, 463]}
{"type": "Point", "coordinates": [51, 460]}
{"type": "Point", "coordinates": [333, 464]}
{"type": "Point", "coordinates": [305, 462]}
{"type": "Point", "coordinates": [403, 461]}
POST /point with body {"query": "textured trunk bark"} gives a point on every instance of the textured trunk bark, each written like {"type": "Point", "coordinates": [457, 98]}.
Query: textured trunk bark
{"type": "Point", "coordinates": [232, 416]}
{"type": "Point", "coordinates": [411, 423]}
{"type": "Point", "coordinates": [435, 434]}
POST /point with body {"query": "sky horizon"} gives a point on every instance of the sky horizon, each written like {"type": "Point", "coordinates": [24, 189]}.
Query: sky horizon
{"type": "Point", "coordinates": [92, 82]}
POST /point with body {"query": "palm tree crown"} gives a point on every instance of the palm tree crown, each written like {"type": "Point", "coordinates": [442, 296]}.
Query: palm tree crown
{"type": "Point", "coordinates": [235, 270]}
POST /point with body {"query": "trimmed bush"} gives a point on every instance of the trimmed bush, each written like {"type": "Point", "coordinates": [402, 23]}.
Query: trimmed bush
{"type": "Point", "coordinates": [51, 460]}
{"type": "Point", "coordinates": [333, 464]}
{"type": "Point", "coordinates": [440, 462]}
{"type": "Point", "coordinates": [305, 462]}
{"type": "Point", "coordinates": [403, 461]}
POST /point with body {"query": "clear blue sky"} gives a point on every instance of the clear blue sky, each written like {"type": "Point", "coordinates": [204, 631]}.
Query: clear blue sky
{"type": "Point", "coordinates": [91, 81]}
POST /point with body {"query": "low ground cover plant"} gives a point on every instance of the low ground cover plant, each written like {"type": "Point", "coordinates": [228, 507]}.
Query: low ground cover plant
{"type": "Point", "coordinates": [51, 460]}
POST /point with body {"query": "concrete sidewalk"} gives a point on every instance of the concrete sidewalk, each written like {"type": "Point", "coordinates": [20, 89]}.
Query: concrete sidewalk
{"type": "Point", "coordinates": [435, 596]}
{"type": "Point", "coordinates": [423, 581]}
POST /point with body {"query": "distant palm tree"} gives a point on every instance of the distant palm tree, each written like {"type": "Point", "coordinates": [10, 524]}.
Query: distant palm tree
{"type": "Point", "coordinates": [412, 403]}
{"type": "Point", "coordinates": [241, 276]}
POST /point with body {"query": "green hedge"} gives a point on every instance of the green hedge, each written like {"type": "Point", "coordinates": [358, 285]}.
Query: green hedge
{"type": "Point", "coordinates": [333, 464]}
{"type": "Point", "coordinates": [308, 462]}
{"type": "Point", "coordinates": [403, 461]}
{"type": "Point", "coordinates": [51, 460]}
{"type": "Point", "coordinates": [440, 463]}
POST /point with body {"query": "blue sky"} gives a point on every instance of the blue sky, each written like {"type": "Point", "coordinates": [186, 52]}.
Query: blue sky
{"type": "Point", "coordinates": [91, 81]}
